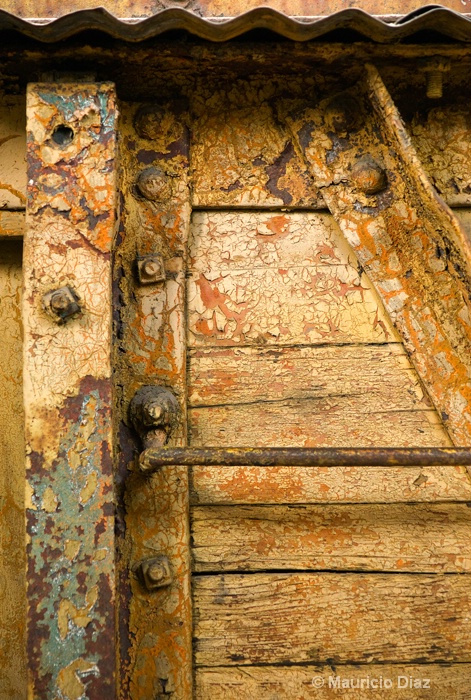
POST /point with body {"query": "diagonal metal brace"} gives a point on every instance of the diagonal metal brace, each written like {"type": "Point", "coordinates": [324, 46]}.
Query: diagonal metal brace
{"type": "Point", "coordinates": [405, 237]}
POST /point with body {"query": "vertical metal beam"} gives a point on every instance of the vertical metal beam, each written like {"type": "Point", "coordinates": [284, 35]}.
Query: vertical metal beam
{"type": "Point", "coordinates": [71, 141]}
{"type": "Point", "coordinates": [150, 263]}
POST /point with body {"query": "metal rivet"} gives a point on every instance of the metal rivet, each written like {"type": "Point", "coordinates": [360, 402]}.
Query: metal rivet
{"type": "Point", "coordinates": [343, 114]}
{"type": "Point", "coordinates": [369, 176]}
{"type": "Point", "coordinates": [154, 184]}
{"type": "Point", "coordinates": [62, 303]}
{"type": "Point", "coordinates": [154, 573]}
{"type": "Point", "coordinates": [151, 269]}
{"type": "Point", "coordinates": [148, 121]}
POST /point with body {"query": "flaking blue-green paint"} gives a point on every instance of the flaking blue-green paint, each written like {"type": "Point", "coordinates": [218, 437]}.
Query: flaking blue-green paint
{"type": "Point", "coordinates": [67, 652]}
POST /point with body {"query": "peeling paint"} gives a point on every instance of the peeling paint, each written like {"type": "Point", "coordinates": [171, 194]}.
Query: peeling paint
{"type": "Point", "coordinates": [67, 371]}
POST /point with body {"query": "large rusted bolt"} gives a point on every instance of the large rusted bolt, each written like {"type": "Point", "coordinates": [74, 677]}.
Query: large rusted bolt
{"type": "Point", "coordinates": [154, 412]}
{"type": "Point", "coordinates": [434, 71]}
{"type": "Point", "coordinates": [62, 303]}
{"type": "Point", "coordinates": [153, 184]}
{"type": "Point", "coordinates": [154, 573]}
{"type": "Point", "coordinates": [343, 114]}
{"type": "Point", "coordinates": [148, 121]}
{"type": "Point", "coordinates": [369, 176]}
{"type": "Point", "coordinates": [151, 269]}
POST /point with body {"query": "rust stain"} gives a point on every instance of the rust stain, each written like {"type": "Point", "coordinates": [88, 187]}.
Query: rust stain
{"type": "Point", "coordinates": [400, 237]}
{"type": "Point", "coordinates": [67, 374]}
{"type": "Point", "coordinates": [155, 627]}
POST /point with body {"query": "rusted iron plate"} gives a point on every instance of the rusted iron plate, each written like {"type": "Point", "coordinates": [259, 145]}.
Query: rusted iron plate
{"type": "Point", "coordinates": [300, 20]}
{"type": "Point", "coordinates": [151, 459]}
{"type": "Point", "coordinates": [407, 240]}
{"type": "Point", "coordinates": [155, 623]}
{"type": "Point", "coordinates": [67, 377]}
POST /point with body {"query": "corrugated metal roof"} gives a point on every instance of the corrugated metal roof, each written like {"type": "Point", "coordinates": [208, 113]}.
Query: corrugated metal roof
{"type": "Point", "coordinates": [434, 19]}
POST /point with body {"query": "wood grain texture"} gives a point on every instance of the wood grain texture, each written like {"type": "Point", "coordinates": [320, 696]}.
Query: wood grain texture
{"type": "Point", "coordinates": [299, 683]}
{"type": "Point", "coordinates": [335, 618]}
{"type": "Point", "coordinates": [12, 479]}
{"type": "Point", "coordinates": [246, 375]}
{"type": "Point", "coordinates": [278, 298]}
{"type": "Point", "coordinates": [338, 420]}
{"type": "Point", "coordinates": [416, 538]}
{"type": "Point", "coordinates": [252, 485]}
{"type": "Point", "coordinates": [12, 224]}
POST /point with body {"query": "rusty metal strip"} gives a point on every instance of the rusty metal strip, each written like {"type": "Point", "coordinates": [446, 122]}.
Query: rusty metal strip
{"type": "Point", "coordinates": [156, 621]}
{"type": "Point", "coordinates": [153, 459]}
{"type": "Point", "coordinates": [406, 238]}
{"type": "Point", "coordinates": [428, 19]}
{"type": "Point", "coordinates": [67, 377]}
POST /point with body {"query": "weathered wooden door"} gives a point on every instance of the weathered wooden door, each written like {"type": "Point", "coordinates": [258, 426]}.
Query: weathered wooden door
{"type": "Point", "coordinates": [283, 276]}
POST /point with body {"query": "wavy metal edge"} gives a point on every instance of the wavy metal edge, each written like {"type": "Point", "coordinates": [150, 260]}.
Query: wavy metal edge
{"type": "Point", "coordinates": [449, 23]}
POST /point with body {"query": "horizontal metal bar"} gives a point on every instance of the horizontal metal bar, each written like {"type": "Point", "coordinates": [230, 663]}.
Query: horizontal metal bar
{"type": "Point", "coordinates": [153, 459]}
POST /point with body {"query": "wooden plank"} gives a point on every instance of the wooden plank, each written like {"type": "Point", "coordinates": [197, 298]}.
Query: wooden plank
{"type": "Point", "coordinates": [12, 479]}
{"type": "Point", "coordinates": [12, 224]}
{"type": "Point", "coordinates": [223, 485]}
{"type": "Point", "coordinates": [422, 682]}
{"type": "Point", "coordinates": [12, 152]}
{"type": "Point", "coordinates": [415, 538]}
{"type": "Point", "coordinates": [331, 618]}
{"type": "Point", "coordinates": [241, 156]}
{"type": "Point", "coordinates": [274, 295]}
{"type": "Point", "coordinates": [284, 306]}
{"type": "Point", "coordinates": [150, 348]}
{"type": "Point", "coordinates": [241, 240]}
{"type": "Point", "coordinates": [338, 420]}
{"type": "Point", "coordinates": [67, 377]}
{"type": "Point", "coordinates": [408, 241]}
{"type": "Point", "coordinates": [382, 374]}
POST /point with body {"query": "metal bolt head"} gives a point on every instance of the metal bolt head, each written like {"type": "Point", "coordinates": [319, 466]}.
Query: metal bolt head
{"type": "Point", "coordinates": [151, 269]}
{"type": "Point", "coordinates": [153, 184]}
{"type": "Point", "coordinates": [369, 176]}
{"type": "Point", "coordinates": [154, 573]}
{"type": "Point", "coordinates": [343, 114]}
{"type": "Point", "coordinates": [148, 121]}
{"type": "Point", "coordinates": [61, 303]}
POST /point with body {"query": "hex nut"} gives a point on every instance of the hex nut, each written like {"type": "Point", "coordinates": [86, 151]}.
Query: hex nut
{"type": "Point", "coordinates": [154, 573]}
{"type": "Point", "coordinates": [151, 269]}
{"type": "Point", "coordinates": [369, 176]}
{"type": "Point", "coordinates": [62, 303]}
{"type": "Point", "coordinates": [153, 184]}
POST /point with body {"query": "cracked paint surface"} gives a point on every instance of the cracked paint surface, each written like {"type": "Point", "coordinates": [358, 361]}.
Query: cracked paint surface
{"type": "Point", "coordinates": [408, 241]}
{"type": "Point", "coordinates": [277, 278]}
{"type": "Point", "coordinates": [67, 384]}
{"type": "Point", "coordinates": [155, 627]}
